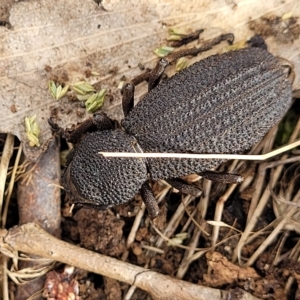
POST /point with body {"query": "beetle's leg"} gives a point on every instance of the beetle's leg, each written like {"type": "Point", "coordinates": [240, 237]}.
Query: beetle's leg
{"type": "Point", "coordinates": [99, 121]}
{"type": "Point", "coordinates": [184, 187]}
{"type": "Point", "coordinates": [159, 69]}
{"type": "Point", "coordinates": [128, 92]}
{"type": "Point", "coordinates": [153, 77]}
{"type": "Point", "coordinates": [222, 177]}
{"type": "Point", "coordinates": [149, 200]}
{"type": "Point", "coordinates": [187, 38]}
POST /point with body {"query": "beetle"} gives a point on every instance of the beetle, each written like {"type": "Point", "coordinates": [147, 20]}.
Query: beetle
{"type": "Point", "coordinates": [222, 104]}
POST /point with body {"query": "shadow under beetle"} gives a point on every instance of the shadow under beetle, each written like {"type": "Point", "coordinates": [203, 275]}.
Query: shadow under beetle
{"type": "Point", "coordinates": [222, 104]}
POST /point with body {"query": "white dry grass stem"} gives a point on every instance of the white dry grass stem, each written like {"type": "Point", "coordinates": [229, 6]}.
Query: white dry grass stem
{"type": "Point", "coordinates": [219, 212]}
{"type": "Point", "coordinates": [294, 256]}
{"type": "Point", "coordinates": [6, 155]}
{"type": "Point", "coordinates": [11, 185]}
{"type": "Point", "coordinates": [272, 237]}
{"type": "Point", "coordinates": [201, 209]}
{"type": "Point", "coordinates": [140, 214]}
{"type": "Point", "coordinates": [263, 201]}
{"type": "Point", "coordinates": [267, 144]}
{"type": "Point", "coordinates": [204, 156]}
{"type": "Point", "coordinates": [175, 220]}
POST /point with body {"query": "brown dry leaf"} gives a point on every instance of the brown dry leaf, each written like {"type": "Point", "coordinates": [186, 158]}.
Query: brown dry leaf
{"type": "Point", "coordinates": [69, 40]}
{"type": "Point", "coordinates": [225, 272]}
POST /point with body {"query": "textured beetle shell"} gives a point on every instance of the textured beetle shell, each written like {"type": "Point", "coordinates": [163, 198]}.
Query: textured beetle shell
{"type": "Point", "coordinates": [103, 181]}
{"type": "Point", "coordinates": [222, 104]}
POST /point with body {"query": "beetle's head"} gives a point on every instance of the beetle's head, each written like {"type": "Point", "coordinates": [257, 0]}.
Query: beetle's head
{"type": "Point", "coordinates": [99, 181]}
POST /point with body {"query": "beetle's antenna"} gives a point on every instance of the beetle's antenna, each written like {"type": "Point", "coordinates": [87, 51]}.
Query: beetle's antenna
{"type": "Point", "coordinates": [205, 156]}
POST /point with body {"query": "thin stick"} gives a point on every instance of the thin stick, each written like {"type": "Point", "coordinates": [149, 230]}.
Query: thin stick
{"type": "Point", "coordinates": [204, 156]}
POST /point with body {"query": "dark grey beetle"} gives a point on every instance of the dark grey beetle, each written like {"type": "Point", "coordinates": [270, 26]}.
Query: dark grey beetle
{"type": "Point", "coordinates": [223, 104]}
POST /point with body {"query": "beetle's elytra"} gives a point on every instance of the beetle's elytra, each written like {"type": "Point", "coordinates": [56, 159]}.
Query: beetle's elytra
{"type": "Point", "coordinates": [222, 104]}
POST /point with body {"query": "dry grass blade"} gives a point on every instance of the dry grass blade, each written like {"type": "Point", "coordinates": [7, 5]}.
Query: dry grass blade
{"type": "Point", "coordinates": [21, 276]}
{"type": "Point", "coordinates": [5, 158]}
{"type": "Point", "coordinates": [11, 185]}
{"type": "Point", "coordinates": [175, 220]}
{"type": "Point", "coordinates": [6, 155]}
{"type": "Point", "coordinates": [204, 156]}
{"type": "Point", "coordinates": [263, 199]}
{"type": "Point", "coordinates": [271, 238]}
{"type": "Point", "coordinates": [140, 214]}
{"type": "Point", "coordinates": [171, 242]}
{"type": "Point", "coordinates": [201, 210]}
{"type": "Point", "coordinates": [219, 211]}
{"type": "Point", "coordinates": [295, 256]}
